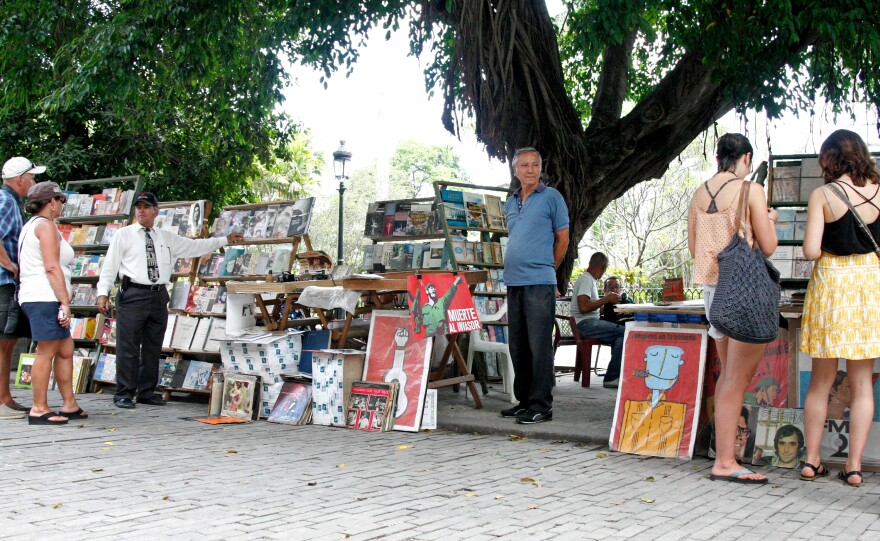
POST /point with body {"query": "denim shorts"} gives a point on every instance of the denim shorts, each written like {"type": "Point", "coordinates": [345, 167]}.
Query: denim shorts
{"type": "Point", "coordinates": [43, 317]}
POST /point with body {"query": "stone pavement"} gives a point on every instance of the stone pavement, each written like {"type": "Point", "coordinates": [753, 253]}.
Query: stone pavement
{"type": "Point", "coordinates": [152, 473]}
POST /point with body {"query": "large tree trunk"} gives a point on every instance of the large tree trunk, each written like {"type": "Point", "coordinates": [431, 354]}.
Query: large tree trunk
{"type": "Point", "coordinates": [510, 74]}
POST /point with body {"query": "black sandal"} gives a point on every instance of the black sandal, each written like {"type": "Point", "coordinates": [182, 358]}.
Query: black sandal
{"type": "Point", "coordinates": [46, 419]}
{"type": "Point", "coordinates": [74, 415]}
{"type": "Point", "coordinates": [818, 471]}
{"type": "Point", "coordinates": [844, 476]}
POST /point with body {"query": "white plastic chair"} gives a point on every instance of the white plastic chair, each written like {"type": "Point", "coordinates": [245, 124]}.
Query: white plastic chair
{"type": "Point", "coordinates": [478, 344]}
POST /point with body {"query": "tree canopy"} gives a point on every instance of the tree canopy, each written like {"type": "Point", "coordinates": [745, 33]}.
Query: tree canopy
{"type": "Point", "coordinates": [187, 92]}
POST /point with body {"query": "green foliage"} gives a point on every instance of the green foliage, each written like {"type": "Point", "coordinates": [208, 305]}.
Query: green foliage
{"type": "Point", "coordinates": [289, 178]}
{"type": "Point", "coordinates": [749, 42]}
{"type": "Point", "coordinates": [415, 165]}
{"type": "Point", "coordinates": [184, 93]}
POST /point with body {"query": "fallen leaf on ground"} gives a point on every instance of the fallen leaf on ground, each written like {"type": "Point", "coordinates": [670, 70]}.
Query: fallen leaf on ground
{"type": "Point", "coordinates": [526, 480]}
{"type": "Point", "coordinates": [108, 443]}
{"type": "Point", "coordinates": [649, 479]}
{"type": "Point", "coordinates": [96, 470]}
{"type": "Point", "coordinates": [56, 506]}
{"type": "Point", "coordinates": [557, 442]}
{"type": "Point", "coordinates": [469, 495]}
{"type": "Point", "coordinates": [499, 497]}
{"type": "Point", "coordinates": [231, 452]}
{"type": "Point", "coordinates": [405, 447]}
{"type": "Point", "coordinates": [106, 449]}
{"type": "Point", "coordinates": [602, 455]}
{"type": "Point", "coordinates": [111, 429]}
{"type": "Point", "coordinates": [166, 498]}
{"type": "Point", "coordinates": [514, 437]}
{"type": "Point", "coordinates": [533, 507]}
{"type": "Point", "coordinates": [647, 500]}
{"type": "Point", "coordinates": [340, 465]}
{"type": "Point", "coordinates": [312, 483]}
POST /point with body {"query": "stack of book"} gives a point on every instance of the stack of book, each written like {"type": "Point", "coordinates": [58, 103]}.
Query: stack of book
{"type": "Point", "coordinates": [791, 263]}
{"type": "Point", "coordinates": [404, 256]}
{"type": "Point", "coordinates": [185, 220]}
{"type": "Point", "coordinates": [293, 405]}
{"type": "Point", "coordinates": [197, 334]}
{"type": "Point", "coordinates": [494, 283]}
{"type": "Point", "coordinates": [276, 221]}
{"type": "Point", "coordinates": [469, 252]}
{"type": "Point", "coordinates": [467, 210]}
{"type": "Point", "coordinates": [401, 219]}
{"type": "Point", "coordinates": [109, 202]}
{"type": "Point", "coordinates": [84, 295]}
{"type": "Point", "coordinates": [87, 265]}
{"type": "Point", "coordinates": [236, 261]}
{"type": "Point", "coordinates": [88, 235]}
{"type": "Point", "coordinates": [186, 297]}
{"type": "Point", "coordinates": [792, 224]}
{"type": "Point", "coordinates": [187, 374]}
{"type": "Point", "coordinates": [105, 369]}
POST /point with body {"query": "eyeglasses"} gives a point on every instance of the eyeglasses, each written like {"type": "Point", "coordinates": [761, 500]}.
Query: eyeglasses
{"type": "Point", "coordinates": [740, 431]}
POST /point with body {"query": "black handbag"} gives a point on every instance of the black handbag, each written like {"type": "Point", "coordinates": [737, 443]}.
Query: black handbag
{"type": "Point", "coordinates": [746, 302]}
{"type": "Point", "coordinates": [17, 323]}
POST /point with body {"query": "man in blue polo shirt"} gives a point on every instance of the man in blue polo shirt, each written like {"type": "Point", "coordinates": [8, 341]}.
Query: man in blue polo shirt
{"type": "Point", "coordinates": [537, 223]}
{"type": "Point", "coordinates": [18, 176]}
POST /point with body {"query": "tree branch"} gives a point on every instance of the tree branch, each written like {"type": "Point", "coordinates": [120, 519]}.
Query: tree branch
{"type": "Point", "coordinates": [613, 82]}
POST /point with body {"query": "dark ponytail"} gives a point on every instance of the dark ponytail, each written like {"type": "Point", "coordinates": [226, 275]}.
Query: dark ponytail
{"type": "Point", "coordinates": [731, 147]}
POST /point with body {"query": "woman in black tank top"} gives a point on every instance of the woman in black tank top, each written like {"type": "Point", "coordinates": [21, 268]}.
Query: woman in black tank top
{"type": "Point", "coordinates": [843, 298]}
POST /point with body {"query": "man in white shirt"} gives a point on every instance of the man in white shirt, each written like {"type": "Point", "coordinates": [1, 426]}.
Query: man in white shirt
{"type": "Point", "coordinates": [142, 257]}
{"type": "Point", "coordinates": [585, 305]}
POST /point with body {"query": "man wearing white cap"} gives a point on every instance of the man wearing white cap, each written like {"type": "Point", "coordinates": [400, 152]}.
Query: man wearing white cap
{"type": "Point", "coordinates": [18, 177]}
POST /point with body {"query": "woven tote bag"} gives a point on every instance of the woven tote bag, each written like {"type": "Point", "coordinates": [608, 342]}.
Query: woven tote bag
{"type": "Point", "coordinates": [746, 302]}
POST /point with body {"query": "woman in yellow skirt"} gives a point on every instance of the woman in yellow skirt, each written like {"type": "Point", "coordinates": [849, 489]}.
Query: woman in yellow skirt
{"type": "Point", "coordinates": [842, 307]}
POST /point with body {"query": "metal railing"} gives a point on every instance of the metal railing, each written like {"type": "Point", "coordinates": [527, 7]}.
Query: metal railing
{"type": "Point", "coordinates": [642, 295]}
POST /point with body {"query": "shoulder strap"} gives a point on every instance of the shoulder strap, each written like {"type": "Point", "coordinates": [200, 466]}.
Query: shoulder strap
{"type": "Point", "coordinates": [837, 191]}
{"type": "Point", "coordinates": [742, 209]}
{"type": "Point", "coordinates": [713, 208]}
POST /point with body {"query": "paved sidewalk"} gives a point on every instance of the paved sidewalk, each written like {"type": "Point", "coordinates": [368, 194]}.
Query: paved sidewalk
{"type": "Point", "coordinates": [152, 473]}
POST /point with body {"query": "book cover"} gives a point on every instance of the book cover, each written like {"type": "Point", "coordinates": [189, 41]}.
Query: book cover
{"type": "Point", "coordinates": [301, 217]}
{"type": "Point", "coordinates": [108, 368]}
{"type": "Point", "coordinates": [388, 219]}
{"type": "Point", "coordinates": [216, 335]}
{"type": "Point", "coordinates": [401, 221]}
{"type": "Point", "coordinates": [494, 215]}
{"type": "Point", "coordinates": [375, 220]}
{"type": "Point", "coordinates": [293, 405]}
{"type": "Point", "coordinates": [661, 385]}
{"type": "Point", "coordinates": [196, 215]}
{"type": "Point", "coordinates": [429, 414]}
{"type": "Point", "coordinates": [169, 330]}
{"type": "Point", "coordinates": [197, 375]}
{"type": "Point", "coordinates": [183, 332]}
{"type": "Point", "coordinates": [395, 354]}
{"type": "Point", "coordinates": [200, 336]}
{"type": "Point", "coordinates": [453, 208]}
{"type": "Point", "coordinates": [282, 221]}
{"type": "Point", "coordinates": [227, 267]}
{"type": "Point", "coordinates": [219, 306]}
{"type": "Point", "coordinates": [23, 374]}
{"type": "Point", "coordinates": [239, 393]}
{"type": "Point", "coordinates": [258, 229]}
{"type": "Point", "coordinates": [271, 212]}
{"type": "Point", "coordinates": [419, 219]}
{"type": "Point", "coordinates": [222, 223]}
{"type": "Point", "coordinates": [370, 406]}
{"type": "Point", "coordinates": [180, 373]}
{"type": "Point", "coordinates": [239, 222]}
{"type": "Point", "coordinates": [166, 375]}
{"type": "Point", "coordinates": [179, 295]}
{"type": "Point", "coordinates": [476, 210]}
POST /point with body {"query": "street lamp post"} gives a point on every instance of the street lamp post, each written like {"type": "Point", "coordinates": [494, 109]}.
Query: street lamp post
{"type": "Point", "coordinates": [341, 159]}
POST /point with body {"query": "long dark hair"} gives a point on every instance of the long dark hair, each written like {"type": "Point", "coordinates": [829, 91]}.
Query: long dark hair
{"type": "Point", "coordinates": [731, 147]}
{"type": "Point", "coordinates": [845, 153]}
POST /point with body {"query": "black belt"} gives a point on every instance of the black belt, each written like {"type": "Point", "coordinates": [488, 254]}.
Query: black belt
{"type": "Point", "coordinates": [153, 287]}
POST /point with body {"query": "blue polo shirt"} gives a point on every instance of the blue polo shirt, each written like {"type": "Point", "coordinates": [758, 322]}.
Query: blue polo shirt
{"type": "Point", "coordinates": [10, 227]}
{"type": "Point", "coordinates": [528, 260]}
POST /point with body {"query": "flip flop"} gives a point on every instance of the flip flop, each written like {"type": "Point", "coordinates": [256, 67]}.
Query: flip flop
{"type": "Point", "coordinates": [844, 476]}
{"type": "Point", "coordinates": [44, 419]}
{"type": "Point", "coordinates": [736, 477]}
{"type": "Point", "coordinates": [74, 415]}
{"type": "Point", "coordinates": [818, 471]}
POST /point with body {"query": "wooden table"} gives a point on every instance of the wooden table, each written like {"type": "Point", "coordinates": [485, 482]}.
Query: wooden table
{"type": "Point", "coordinates": [394, 282]}
{"type": "Point", "coordinates": [276, 312]}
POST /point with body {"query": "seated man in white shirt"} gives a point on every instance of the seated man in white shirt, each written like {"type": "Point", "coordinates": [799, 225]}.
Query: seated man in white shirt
{"type": "Point", "coordinates": [585, 306]}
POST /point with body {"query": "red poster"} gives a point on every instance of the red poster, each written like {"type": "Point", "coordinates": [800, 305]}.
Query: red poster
{"type": "Point", "coordinates": [394, 353]}
{"type": "Point", "coordinates": [441, 303]}
{"type": "Point", "coordinates": [659, 395]}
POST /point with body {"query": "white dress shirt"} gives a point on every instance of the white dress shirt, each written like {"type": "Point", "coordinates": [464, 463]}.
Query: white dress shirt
{"type": "Point", "coordinates": [127, 255]}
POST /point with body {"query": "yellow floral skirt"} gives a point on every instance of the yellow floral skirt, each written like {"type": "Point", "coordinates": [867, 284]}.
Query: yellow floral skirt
{"type": "Point", "coordinates": [842, 308]}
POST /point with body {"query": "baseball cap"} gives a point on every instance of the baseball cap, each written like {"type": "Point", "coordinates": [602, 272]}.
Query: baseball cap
{"type": "Point", "coordinates": [148, 198]}
{"type": "Point", "coordinates": [45, 191]}
{"type": "Point", "coordinates": [19, 165]}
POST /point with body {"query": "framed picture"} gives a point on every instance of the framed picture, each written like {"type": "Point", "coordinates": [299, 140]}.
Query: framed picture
{"type": "Point", "coordinates": [239, 395]}
{"type": "Point", "coordinates": [661, 382]}
{"type": "Point", "coordinates": [394, 353]}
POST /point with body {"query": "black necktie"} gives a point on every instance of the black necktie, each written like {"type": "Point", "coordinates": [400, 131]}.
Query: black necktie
{"type": "Point", "coordinates": [152, 267]}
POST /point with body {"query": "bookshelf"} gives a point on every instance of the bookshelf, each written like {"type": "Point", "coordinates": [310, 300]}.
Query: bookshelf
{"type": "Point", "coordinates": [404, 234]}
